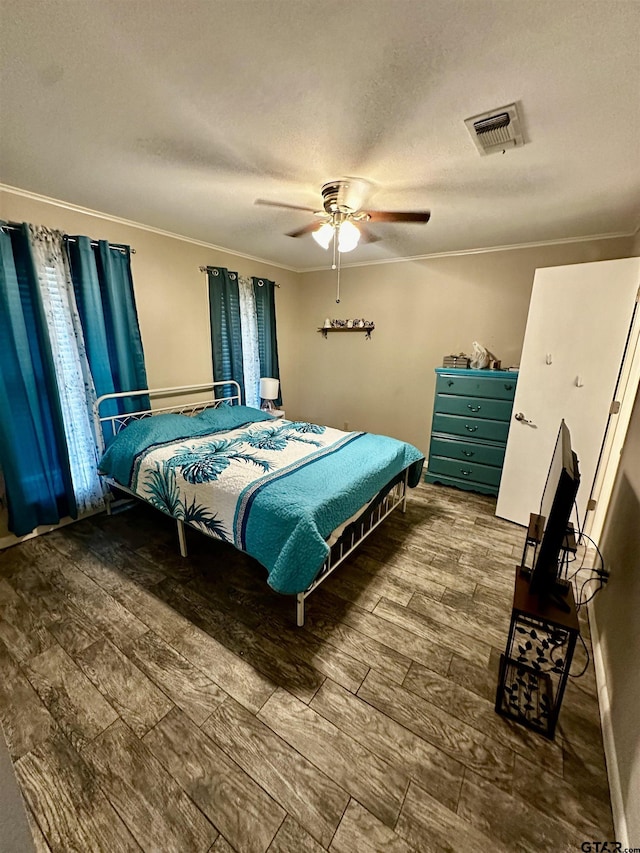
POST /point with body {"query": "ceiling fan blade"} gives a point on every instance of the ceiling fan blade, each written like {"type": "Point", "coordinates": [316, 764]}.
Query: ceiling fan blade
{"type": "Point", "coordinates": [287, 206]}
{"type": "Point", "coordinates": [300, 232]}
{"type": "Point", "coordinates": [398, 216]}
{"type": "Point", "coordinates": [367, 236]}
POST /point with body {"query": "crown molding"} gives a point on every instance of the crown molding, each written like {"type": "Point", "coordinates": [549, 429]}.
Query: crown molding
{"type": "Point", "coordinates": [118, 220]}
{"type": "Point", "coordinates": [480, 250]}
{"type": "Point", "coordinates": [453, 254]}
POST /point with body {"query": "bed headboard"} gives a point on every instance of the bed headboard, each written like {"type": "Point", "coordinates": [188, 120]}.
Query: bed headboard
{"type": "Point", "coordinates": [187, 400]}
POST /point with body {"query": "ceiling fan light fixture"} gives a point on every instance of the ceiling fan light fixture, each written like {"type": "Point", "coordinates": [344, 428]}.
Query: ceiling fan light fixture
{"type": "Point", "coordinates": [343, 217]}
{"type": "Point", "coordinates": [348, 236]}
{"type": "Point", "coordinates": [323, 235]}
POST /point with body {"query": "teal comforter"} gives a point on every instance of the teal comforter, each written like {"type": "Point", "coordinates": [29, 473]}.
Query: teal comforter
{"type": "Point", "coordinates": [275, 489]}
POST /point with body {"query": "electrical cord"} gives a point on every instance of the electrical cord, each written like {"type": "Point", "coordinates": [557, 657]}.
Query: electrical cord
{"type": "Point", "coordinates": [602, 574]}
{"type": "Point", "coordinates": [598, 574]}
{"type": "Point", "coordinates": [581, 603]}
{"type": "Point", "coordinates": [602, 571]}
{"type": "Point", "coordinates": [583, 535]}
{"type": "Point", "coordinates": [580, 568]}
{"type": "Point", "coordinates": [579, 526]}
{"type": "Point", "coordinates": [586, 666]}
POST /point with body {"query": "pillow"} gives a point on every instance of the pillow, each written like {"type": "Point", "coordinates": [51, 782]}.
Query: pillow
{"type": "Point", "coordinates": [137, 436]}
{"type": "Point", "coordinates": [230, 417]}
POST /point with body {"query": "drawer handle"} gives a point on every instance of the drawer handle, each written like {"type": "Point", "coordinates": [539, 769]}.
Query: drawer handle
{"type": "Point", "coordinates": [450, 383]}
{"type": "Point", "coordinates": [465, 472]}
{"type": "Point", "coordinates": [473, 408]}
{"type": "Point", "coordinates": [508, 387]}
{"type": "Point", "coordinates": [468, 453]}
{"type": "Point", "coordinates": [470, 428]}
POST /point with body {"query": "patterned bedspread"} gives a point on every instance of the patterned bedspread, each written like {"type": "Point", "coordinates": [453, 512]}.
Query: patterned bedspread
{"type": "Point", "coordinates": [273, 488]}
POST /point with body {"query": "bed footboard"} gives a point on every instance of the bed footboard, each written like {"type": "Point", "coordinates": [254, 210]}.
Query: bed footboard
{"type": "Point", "coordinates": [353, 536]}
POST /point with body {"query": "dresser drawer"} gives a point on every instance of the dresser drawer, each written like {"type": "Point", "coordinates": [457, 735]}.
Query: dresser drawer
{"type": "Point", "coordinates": [487, 430]}
{"type": "Point", "coordinates": [471, 471]}
{"type": "Point", "coordinates": [471, 417]}
{"type": "Point", "coordinates": [484, 385]}
{"type": "Point", "coordinates": [474, 407]}
{"type": "Point", "coordinates": [467, 451]}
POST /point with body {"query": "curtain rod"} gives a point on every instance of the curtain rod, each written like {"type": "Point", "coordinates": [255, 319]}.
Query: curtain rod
{"type": "Point", "coordinates": [210, 269]}
{"type": "Point", "coordinates": [16, 226]}
{"type": "Point", "coordinates": [122, 247]}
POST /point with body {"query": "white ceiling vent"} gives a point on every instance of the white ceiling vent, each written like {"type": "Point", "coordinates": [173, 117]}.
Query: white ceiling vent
{"type": "Point", "coordinates": [496, 131]}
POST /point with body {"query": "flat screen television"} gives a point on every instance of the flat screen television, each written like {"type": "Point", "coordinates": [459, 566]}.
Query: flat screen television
{"type": "Point", "coordinates": [556, 506]}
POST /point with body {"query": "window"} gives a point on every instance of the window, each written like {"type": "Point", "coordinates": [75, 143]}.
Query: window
{"type": "Point", "coordinates": [243, 331]}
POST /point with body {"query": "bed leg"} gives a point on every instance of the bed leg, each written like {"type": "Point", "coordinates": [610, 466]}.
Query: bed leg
{"type": "Point", "coordinates": [300, 609]}
{"type": "Point", "coordinates": [405, 488]}
{"type": "Point", "coordinates": [182, 539]}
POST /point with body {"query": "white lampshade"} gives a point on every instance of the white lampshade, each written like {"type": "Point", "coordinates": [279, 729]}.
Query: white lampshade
{"type": "Point", "coordinates": [348, 237]}
{"type": "Point", "coordinates": [269, 388]}
{"type": "Point", "coordinates": [323, 235]}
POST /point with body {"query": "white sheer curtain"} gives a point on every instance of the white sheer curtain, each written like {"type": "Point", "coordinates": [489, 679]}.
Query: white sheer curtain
{"type": "Point", "coordinates": [75, 383]}
{"type": "Point", "coordinates": [250, 354]}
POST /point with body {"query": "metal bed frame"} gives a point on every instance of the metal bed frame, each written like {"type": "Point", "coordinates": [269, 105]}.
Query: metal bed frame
{"type": "Point", "coordinates": [354, 533]}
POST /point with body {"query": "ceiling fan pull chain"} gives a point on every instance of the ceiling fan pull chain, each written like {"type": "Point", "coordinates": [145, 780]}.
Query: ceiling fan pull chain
{"type": "Point", "coordinates": [338, 281]}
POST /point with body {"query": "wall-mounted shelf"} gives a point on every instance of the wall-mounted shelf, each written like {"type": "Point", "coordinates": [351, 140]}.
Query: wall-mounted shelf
{"type": "Point", "coordinates": [366, 329]}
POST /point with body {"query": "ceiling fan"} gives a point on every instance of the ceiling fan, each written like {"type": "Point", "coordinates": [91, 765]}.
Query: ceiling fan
{"type": "Point", "coordinates": [343, 217]}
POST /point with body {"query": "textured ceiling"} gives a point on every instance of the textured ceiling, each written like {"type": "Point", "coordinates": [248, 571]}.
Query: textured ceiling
{"type": "Point", "coordinates": [180, 113]}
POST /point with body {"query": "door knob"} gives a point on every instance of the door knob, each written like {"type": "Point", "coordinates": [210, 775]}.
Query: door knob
{"type": "Point", "coordinates": [520, 417]}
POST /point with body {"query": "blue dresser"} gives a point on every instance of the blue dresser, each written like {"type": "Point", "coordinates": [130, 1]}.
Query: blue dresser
{"type": "Point", "coordinates": [471, 417]}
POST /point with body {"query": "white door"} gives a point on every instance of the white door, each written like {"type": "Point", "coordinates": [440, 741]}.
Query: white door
{"type": "Point", "coordinates": [577, 328]}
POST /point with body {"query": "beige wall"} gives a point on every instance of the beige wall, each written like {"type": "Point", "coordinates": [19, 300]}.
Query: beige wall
{"type": "Point", "coordinates": [616, 610]}
{"type": "Point", "coordinates": [171, 292]}
{"type": "Point", "coordinates": [422, 311]}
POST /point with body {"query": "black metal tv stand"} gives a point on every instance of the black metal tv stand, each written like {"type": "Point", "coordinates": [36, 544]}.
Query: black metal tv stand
{"type": "Point", "coordinates": [542, 637]}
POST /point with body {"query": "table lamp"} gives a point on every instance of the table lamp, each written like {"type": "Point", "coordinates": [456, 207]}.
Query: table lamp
{"type": "Point", "coordinates": [268, 392]}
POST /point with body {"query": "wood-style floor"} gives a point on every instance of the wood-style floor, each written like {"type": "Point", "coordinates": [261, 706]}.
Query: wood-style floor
{"type": "Point", "coordinates": [163, 704]}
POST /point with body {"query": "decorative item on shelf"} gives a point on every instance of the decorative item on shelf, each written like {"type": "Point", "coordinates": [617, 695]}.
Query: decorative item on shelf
{"type": "Point", "coordinates": [460, 360]}
{"type": "Point", "coordinates": [269, 389]}
{"type": "Point", "coordinates": [366, 326]}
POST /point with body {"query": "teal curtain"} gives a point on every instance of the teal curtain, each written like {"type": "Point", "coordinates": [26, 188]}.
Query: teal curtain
{"type": "Point", "coordinates": [86, 287]}
{"type": "Point", "coordinates": [123, 333]}
{"type": "Point", "coordinates": [103, 286]}
{"type": "Point", "coordinates": [226, 330]}
{"type": "Point", "coordinates": [264, 291]}
{"type": "Point", "coordinates": [33, 452]}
